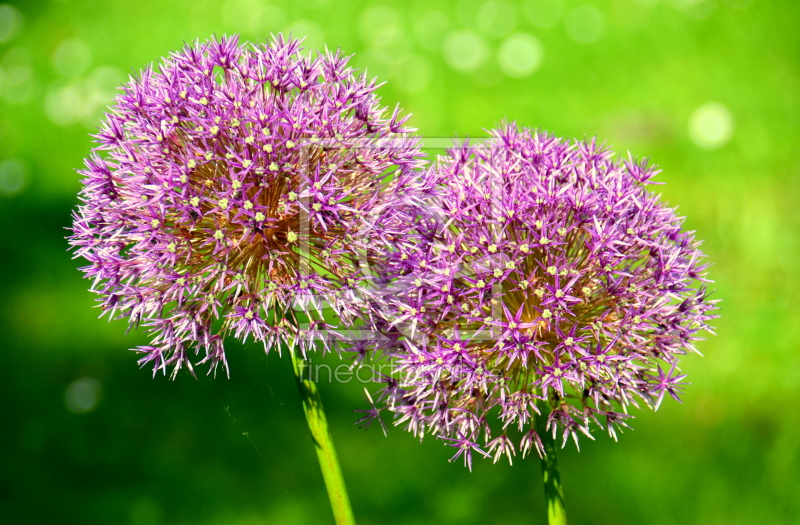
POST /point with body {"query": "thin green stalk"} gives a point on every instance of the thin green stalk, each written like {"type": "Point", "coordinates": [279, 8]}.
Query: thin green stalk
{"type": "Point", "coordinates": [326, 454]}
{"type": "Point", "coordinates": [553, 491]}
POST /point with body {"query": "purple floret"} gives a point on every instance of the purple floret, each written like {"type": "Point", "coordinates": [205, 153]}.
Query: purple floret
{"type": "Point", "coordinates": [556, 282]}
{"type": "Point", "coordinates": [238, 191]}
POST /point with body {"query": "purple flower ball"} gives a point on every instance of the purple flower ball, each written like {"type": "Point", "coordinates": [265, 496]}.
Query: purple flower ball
{"type": "Point", "coordinates": [555, 284]}
{"type": "Point", "coordinates": [237, 191]}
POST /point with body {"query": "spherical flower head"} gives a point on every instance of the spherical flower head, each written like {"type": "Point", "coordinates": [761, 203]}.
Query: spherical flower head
{"type": "Point", "coordinates": [234, 191]}
{"type": "Point", "coordinates": [556, 283]}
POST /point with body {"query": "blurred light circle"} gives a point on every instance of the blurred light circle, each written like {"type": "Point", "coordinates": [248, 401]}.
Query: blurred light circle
{"type": "Point", "coordinates": [429, 28]}
{"type": "Point", "coordinates": [251, 16]}
{"type": "Point", "coordinates": [272, 18]}
{"type": "Point", "coordinates": [378, 62]}
{"type": "Point", "coordinates": [465, 50]}
{"type": "Point", "coordinates": [106, 78]}
{"type": "Point", "coordinates": [100, 90]}
{"type": "Point", "coordinates": [413, 74]}
{"type": "Point", "coordinates": [584, 24]}
{"type": "Point", "coordinates": [314, 37]}
{"type": "Point", "coordinates": [380, 26]}
{"type": "Point", "coordinates": [17, 79]}
{"type": "Point", "coordinates": [12, 176]}
{"type": "Point", "coordinates": [82, 395]}
{"type": "Point", "coordinates": [520, 55]}
{"type": "Point", "coordinates": [68, 104]}
{"type": "Point", "coordinates": [71, 57]}
{"type": "Point", "coordinates": [496, 19]}
{"type": "Point", "coordinates": [697, 9]}
{"type": "Point", "coordinates": [10, 22]}
{"type": "Point", "coordinates": [711, 126]}
{"type": "Point", "coordinates": [17, 85]}
{"type": "Point", "coordinates": [544, 13]}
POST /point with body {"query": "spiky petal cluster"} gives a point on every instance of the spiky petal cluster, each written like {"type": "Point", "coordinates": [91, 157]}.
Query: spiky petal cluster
{"type": "Point", "coordinates": [234, 187]}
{"type": "Point", "coordinates": [556, 284]}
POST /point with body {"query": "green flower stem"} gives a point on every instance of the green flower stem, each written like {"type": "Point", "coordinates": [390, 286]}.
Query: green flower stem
{"type": "Point", "coordinates": [553, 491]}
{"type": "Point", "coordinates": [326, 454]}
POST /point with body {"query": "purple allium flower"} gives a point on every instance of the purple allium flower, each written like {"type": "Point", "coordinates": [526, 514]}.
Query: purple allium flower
{"type": "Point", "coordinates": [556, 283]}
{"type": "Point", "coordinates": [235, 191]}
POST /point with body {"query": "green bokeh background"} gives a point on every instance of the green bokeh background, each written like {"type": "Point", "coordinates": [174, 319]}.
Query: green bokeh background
{"type": "Point", "coordinates": [219, 451]}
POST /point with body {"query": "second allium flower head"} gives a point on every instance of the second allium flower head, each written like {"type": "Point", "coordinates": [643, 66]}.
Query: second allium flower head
{"type": "Point", "coordinates": [241, 186]}
{"type": "Point", "coordinates": [555, 284]}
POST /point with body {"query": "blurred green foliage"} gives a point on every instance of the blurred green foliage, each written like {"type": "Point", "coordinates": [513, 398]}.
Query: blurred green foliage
{"type": "Point", "coordinates": [710, 89]}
